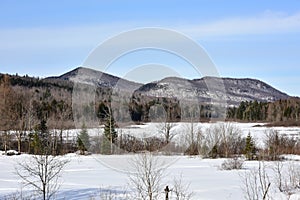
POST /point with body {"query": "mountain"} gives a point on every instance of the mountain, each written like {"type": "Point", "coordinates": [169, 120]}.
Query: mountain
{"type": "Point", "coordinates": [213, 89]}
{"type": "Point", "coordinates": [206, 90]}
{"type": "Point", "coordinates": [97, 78]}
{"type": "Point", "coordinates": [52, 99]}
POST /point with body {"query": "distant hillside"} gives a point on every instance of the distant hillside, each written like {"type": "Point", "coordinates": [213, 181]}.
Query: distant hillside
{"type": "Point", "coordinates": [207, 89]}
{"type": "Point", "coordinates": [24, 100]}
{"type": "Point", "coordinates": [97, 78]}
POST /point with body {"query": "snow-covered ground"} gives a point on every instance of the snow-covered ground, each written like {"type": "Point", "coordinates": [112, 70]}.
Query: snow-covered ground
{"type": "Point", "coordinates": [152, 129]}
{"type": "Point", "coordinates": [85, 177]}
{"type": "Point", "coordinates": [89, 177]}
{"type": "Point", "coordinates": [257, 130]}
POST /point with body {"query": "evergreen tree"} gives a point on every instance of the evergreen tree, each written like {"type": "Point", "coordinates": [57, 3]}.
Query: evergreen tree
{"type": "Point", "coordinates": [214, 152]}
{"type": "Point", "coordinates": [110, 135]}
{"type": "Point", "coordinates": [249, 147]}
{"type": "Point", "coordinates": [102, 112]}
{"type": "Point", "coordinates": [240, 111]}
{"type": "Point", "coordinates": [83, 140]}
{"type": "Point", "coordinates": [41, 139]}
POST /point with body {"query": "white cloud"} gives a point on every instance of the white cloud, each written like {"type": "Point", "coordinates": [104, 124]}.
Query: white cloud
{"type": "Point", "coordinates": [267, 23]}
{"type": "Point", "coordinates": [90, 35]}
{"type": "Point", "coordinates": [57, 37]}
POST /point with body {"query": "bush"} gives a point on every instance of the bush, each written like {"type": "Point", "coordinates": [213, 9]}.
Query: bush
{"type": "Point", "coordinates": [233, 163]}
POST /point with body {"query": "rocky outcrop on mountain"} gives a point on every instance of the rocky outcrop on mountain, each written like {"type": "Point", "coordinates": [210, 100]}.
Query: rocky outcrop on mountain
{"type": "Point", "coordinates": [98, 79]}
{"type": "Point", "coordinates": [213, 89]}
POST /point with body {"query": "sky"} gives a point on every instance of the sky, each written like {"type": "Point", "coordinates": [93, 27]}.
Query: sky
{"type": "Point", "coordinates": [244, 39]}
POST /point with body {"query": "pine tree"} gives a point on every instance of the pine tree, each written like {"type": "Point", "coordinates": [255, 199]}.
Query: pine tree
{"type": "Point", "coordinates": [214, 152]}
{"type": "Point", "coordinates": [83, 140]}
{"type": "Point", "coordinates": [250, 147]}
{"type": "Point", "coordinates": [110, 135]}
{"type": "Point", "coordinates": [240, 111]}
{"type": "Point", "coordinates": [41, 139]}
{"type": "Point", "coordinates": [102, 112]}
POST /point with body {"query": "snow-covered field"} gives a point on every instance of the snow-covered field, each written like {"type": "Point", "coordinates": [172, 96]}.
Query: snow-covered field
{"type": "Point", "coordinates": [180, 128]}
{"type": "Point", "coordinates": [85, 177]}
{"type": "Point", "coordinates": [89, 177]}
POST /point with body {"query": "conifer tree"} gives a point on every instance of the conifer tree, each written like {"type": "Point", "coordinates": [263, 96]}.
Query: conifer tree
{"type": "Point", "coordinates": [83, 140]}
{"type": "Point", "coordinates": [110, 135]}
{"type": "Point", "coordinates": [250, 147]}
{"type": "Point", "coordinates": [41, 139]}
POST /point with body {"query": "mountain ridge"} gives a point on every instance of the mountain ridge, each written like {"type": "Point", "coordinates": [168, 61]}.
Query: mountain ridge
{"type": "Point", "coordinates": [97, 78]}
{"type": "Point", "coordinates": [52, 98]}
{"type": "Point", "coordinates": [205, 89]}
{"type": "Point", "coordinates": [233, 90]}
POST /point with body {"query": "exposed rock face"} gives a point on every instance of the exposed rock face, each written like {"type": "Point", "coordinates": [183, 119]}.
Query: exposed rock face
{"type": "Point", "coordinates": [210, 89]}
{"type": "Point", "coordinates": [97, 78]}
{"type": "Point", "coordinates": [206, 90]}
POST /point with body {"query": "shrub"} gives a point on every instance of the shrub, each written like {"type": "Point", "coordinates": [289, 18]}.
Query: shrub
{"type": "Point", "coordinates": [233, 163]}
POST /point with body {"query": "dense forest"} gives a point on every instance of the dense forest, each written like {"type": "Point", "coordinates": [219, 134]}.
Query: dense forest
{"type": "Point", "coordinates": [287, 111]}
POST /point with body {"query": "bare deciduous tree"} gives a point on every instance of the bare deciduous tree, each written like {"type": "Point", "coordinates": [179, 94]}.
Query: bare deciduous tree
{"type": "Point", "coordinates": [287, 177]}
{"type": "Point", "coordinates": [193, 139]}
{"type": "Point", "coordinates": [165, 129]}
{"type": "Point", "coordinates": [181, 189]}
{"type": "Point", "coordinates": [7, 108]}
{"type": "Point", "coordinates": [272, 143]}
{"type": "Point", "coordinates": [256, 183]}
{"type": "Point", "coordinates": [147, 176]}
{"type": "Point", "coordinates": [223, 139]}
{"type": "Point", "coordinates": [212, 141]}
{"type": "Point", "coordinates": [229, 134]}
{"type": "Point", "coordinates": [41, 172]}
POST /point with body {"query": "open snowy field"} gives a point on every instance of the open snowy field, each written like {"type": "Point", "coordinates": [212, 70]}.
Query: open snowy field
{"type": "Point", "coordinates": [90, 177]}
{"type": "Point", "coordinates": [86, 177]}
{"type": "Point", "coordinates": [179, 129]}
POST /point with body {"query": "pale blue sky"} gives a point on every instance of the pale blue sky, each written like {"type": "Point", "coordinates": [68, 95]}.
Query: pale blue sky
{"type": "Point", "coordinates": [256, 39]}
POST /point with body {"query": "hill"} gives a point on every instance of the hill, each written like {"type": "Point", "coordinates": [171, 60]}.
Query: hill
{"type": "Point", "coordinates": [27, 100]}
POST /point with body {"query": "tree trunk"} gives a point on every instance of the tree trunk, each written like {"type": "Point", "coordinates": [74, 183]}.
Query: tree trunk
{"type": "Point", "coordinates": [19, 141]}
{"type": "Point", "coordinates": [5, 142]}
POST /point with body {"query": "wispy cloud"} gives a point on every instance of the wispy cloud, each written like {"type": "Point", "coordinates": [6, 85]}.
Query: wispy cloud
{"type": "Point", "coordinates": [90, 35]}
{"type": "Point", "coordinates": [266, 23]}
{"type": "Point", "coordinates": [57, 37]}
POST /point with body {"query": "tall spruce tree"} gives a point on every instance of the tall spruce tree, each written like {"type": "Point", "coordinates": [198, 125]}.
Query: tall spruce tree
{"type": "Point", "coordinates": [110, 135]}
{"type": "Point", "coordinates": [83, 140]}
{"type": "Point", "coordinates": [41, 139]}
{"type": "Point", "coordinates": [249, 147]}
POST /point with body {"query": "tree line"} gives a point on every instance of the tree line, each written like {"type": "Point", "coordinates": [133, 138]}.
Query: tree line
{"type": "Point", "coordinates": [278, 111]}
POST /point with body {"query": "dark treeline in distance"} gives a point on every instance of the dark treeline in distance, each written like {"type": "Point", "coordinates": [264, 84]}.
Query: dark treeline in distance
{"type": "Point", "coordinates": [282, 112]}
